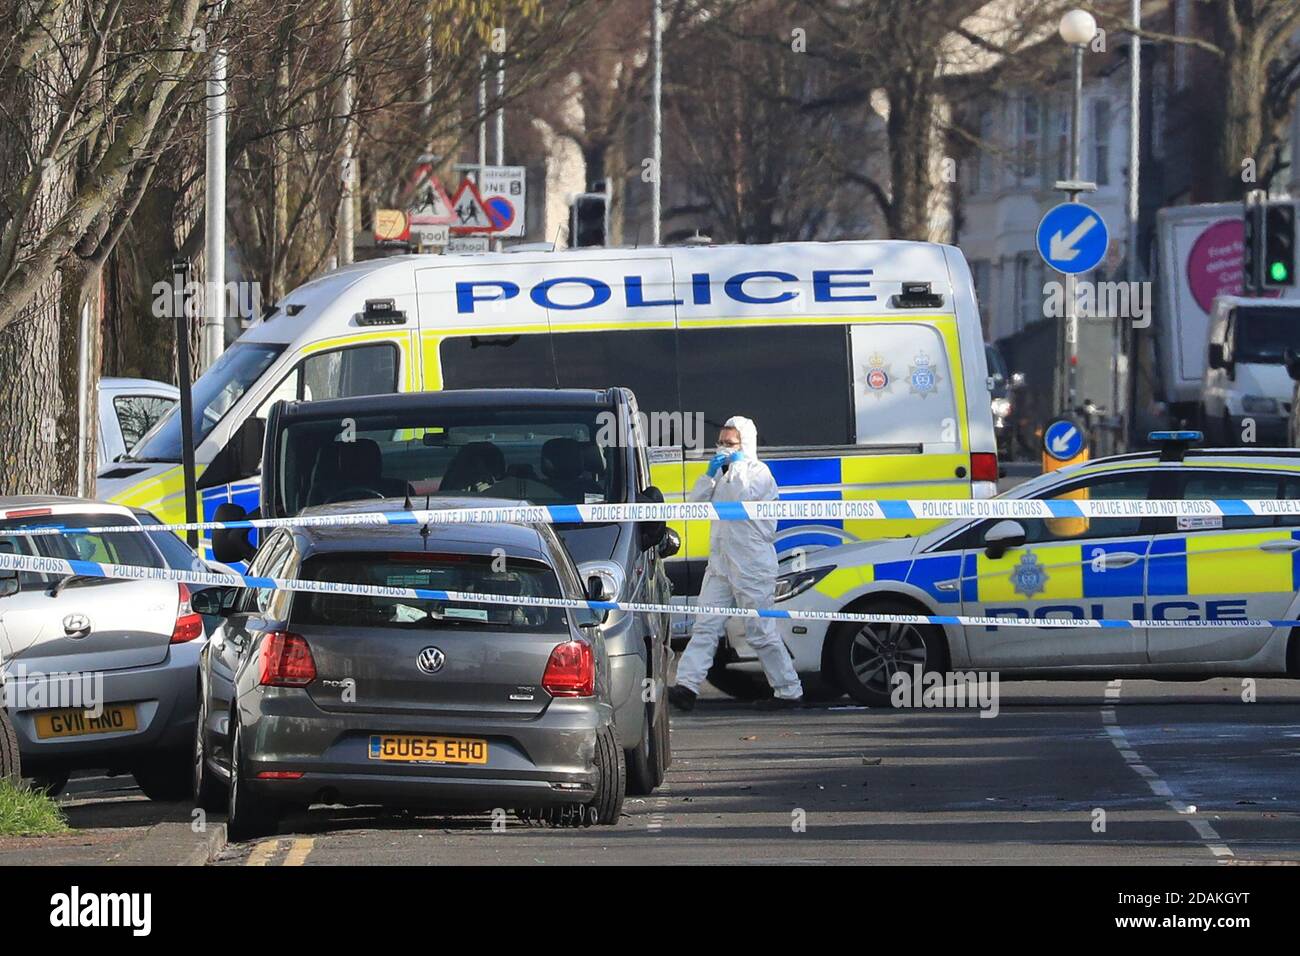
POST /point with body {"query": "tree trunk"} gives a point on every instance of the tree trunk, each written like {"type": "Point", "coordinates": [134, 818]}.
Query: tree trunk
{"type": "Point", "coordinates": [34, 440]}
{"type": "Point", "coordinates": [1244, 77]}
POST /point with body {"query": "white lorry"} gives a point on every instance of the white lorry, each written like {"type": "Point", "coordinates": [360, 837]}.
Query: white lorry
{"type": "Point", "coordinates": [1200, 254]}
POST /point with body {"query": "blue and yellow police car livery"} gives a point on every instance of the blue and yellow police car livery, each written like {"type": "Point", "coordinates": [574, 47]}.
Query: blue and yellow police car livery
{"type": "Point", "coordinates": [1188, 569]}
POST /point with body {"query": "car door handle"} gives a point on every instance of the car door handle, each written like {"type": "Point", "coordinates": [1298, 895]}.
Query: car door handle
{"type": "Point", "coordinates": [1122, 559]}
{"type": "Point", "coordinates": [1289, 545]}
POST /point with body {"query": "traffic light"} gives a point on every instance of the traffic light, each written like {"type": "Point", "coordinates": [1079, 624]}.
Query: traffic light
{"type": "Point", "coordinates": [588, 224]}
{"type": "Point", "coordinates": [1279, 244]}
{"type": "Point", "coordinates": [1253, 239]}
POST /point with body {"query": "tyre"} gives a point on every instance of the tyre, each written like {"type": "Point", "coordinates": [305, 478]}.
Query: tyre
{"type": "Point", "coordinates": [645, 777]}
{"type": "Point", "coordinates": [665, 742]}
{"type": "Point", "coordinates": [643, 770]}
{"type": "Point", "coordinates": [250, 816]}
{"type": "Point", "coordinates": [607, 805]}
{"type": "Point", "coordinates": [865, 657]}
{"type": "Point", "coordinates": [10, 762]}
{"type": "Point", "coordinates": [165, 779]}
{"type": "Point", "coordinates": [209, 792]}
{"type": "Point", "coordinates": [739, 685]}
{"type": "Point", "coordinates": [49, 782]}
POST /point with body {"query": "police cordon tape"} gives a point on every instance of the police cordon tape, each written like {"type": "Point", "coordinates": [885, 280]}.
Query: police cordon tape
{"type": "Point", "coordinates": [59, 566]}
{"type": "Point", "coordinates": [794, 510]}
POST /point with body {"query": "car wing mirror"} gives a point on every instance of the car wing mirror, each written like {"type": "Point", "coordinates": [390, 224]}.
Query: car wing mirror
{"type": "Point", "coordinates": [230, 545]}
{"type": "Point", "coordinates": [651, 532]}
{"type": "Point", "coordinates": [8, 582]}
{"type": "Point", "coordinates": [1292, 362]}
{"type": "Point", "coordinates": [1002, 537]}
{"type": "Point", "coordinates": [218, 601]}
{"type": "Point", "coordinates": [670, 543]}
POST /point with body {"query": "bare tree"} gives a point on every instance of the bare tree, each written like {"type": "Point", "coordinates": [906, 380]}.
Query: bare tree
{"type": "Point", "coordinates": [85, 90]}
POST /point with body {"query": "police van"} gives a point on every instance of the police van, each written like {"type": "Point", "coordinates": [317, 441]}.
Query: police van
{"type": "Point", "coordinates": [862, 363]}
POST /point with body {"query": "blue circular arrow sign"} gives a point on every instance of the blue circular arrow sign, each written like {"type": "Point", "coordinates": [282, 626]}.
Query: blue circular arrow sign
{"type": "Point", "coordinates": [1072, 238]}
{"type": "Point", "coordinates": [1063, 439]}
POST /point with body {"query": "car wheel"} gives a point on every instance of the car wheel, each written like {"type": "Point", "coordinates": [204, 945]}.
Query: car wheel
{"type": "Point", "coordinates": [250, 816]}
{"type": "Point", "coordinates": [51, 783]}
{"type": "Point", "coordinates": [606, 807]}
{"type": "Point", "coordinates": [644, 765]}
{"type": "Point", "coordinates": [740, 685]}
{"type": "Point", "coordinates": [10, 762]}
{"type": "Point", "coordinates": [865, 657]}
{"type": "Point", "coordinates": [210, 793]}
{"type": "Point", "coordinates": [165, 779]}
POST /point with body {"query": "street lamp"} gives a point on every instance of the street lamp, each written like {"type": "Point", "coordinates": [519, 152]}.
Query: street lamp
{"type": "Point", "coordinates": [1077, 28]}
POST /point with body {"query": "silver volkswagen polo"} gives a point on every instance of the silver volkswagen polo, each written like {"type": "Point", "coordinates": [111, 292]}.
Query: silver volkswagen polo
{"type": "Point", "coordinates": [463, 706]}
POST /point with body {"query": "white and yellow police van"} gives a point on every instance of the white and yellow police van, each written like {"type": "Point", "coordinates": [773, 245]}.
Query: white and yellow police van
{"type": "Point", "coordinates": [1199, 571]}
{"type": "Point", "coordinates": [862, 363]}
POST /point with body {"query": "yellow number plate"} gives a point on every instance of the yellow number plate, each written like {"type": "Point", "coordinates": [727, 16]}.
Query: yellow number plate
{"type": "Point", "coordinates": [115, 719]}
{"type": "Point", "coordinates": [412, 748]}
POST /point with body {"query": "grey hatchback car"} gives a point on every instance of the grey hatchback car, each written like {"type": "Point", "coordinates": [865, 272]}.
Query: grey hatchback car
{"type": "Point", "coordinates": [333, 698]}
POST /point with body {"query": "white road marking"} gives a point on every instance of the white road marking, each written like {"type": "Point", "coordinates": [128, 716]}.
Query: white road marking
{"type": "Point", "coordinates": [1109, 716]}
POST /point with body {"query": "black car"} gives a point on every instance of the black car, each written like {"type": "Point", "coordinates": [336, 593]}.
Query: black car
{"type": "Point", "coordinates": [543, 446]}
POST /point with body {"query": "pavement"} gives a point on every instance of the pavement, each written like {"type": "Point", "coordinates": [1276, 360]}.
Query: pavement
{"type": "Point", "coordinates": [113, 823]}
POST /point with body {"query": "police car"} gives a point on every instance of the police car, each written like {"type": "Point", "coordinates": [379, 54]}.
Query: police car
{"type": "Point", "coordinates": [1187, 569]}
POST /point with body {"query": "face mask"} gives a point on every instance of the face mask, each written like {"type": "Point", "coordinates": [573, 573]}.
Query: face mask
{"type": "Point", "coordinates": [725, 450]}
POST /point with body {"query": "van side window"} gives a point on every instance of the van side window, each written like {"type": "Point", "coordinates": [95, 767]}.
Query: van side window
{"type": "Point", "coordinates": [359, 370]}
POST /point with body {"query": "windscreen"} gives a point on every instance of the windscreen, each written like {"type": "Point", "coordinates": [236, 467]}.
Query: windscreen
{"type": "Point", "coordinates": [1264, 335]}
{"type": "Point", "coordinates": [213, 395]}
{"type": "Point", "coordinates": [546, 456]}
{"type": "Point", "coordinates": [476, 574]}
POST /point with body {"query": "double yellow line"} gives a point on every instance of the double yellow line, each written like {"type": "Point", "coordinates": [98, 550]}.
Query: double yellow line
{"type": "Point", "coordinates": [264, 853]}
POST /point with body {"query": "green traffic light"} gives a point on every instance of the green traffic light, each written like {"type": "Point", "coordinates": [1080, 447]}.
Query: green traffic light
{"type": "Point", "coordinates": [1277, 271]}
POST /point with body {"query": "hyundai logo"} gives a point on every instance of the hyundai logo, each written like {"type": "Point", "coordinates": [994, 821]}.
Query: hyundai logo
{"type": "Point", "coordinates": [76, 625]}
{"type": "Point", "coordinates": [430, 660]}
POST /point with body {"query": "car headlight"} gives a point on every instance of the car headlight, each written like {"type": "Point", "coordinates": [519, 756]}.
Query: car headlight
{"type": "Point", "coordinates": [1002, 407]}
{"type": "Point", "coordinates": [793, 583]}
{"type": "Point", "coordinates": [1259, 405]}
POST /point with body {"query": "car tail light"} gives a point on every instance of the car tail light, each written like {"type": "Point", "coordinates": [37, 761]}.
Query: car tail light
{"type": "Point", "coordinates": [286, 661]}
{"type": "Point", "coordinates": [279, 775]}
{"type": "Point", "coordinates": [571, 671]}
{"type": "Point", "coordinates": [983, 466]}
{"type": "Point", "coordinates": [189, 623]}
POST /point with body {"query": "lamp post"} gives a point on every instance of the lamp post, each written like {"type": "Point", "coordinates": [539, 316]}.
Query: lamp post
{"type": "Point", "coordinates": [1077, 28]}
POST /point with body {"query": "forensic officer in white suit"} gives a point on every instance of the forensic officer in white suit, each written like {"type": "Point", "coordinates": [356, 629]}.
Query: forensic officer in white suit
{"type": "Point", "coordinates": [741, 572]}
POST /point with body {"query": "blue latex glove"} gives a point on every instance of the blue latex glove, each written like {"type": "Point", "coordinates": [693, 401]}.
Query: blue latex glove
{"type": "Point", "coordinates": [735, 456]}
{"type": "Point", "coordinates": [716, 464]}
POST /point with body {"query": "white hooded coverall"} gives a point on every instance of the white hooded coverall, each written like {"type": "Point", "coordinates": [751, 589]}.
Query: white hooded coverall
{"type": "Point", "coordinates": [741, 572]}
